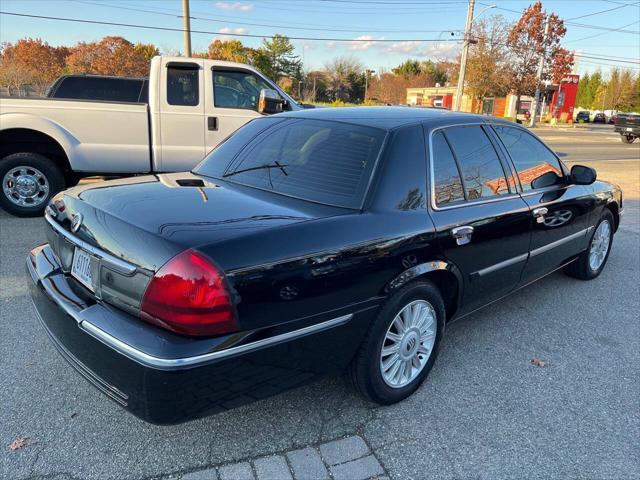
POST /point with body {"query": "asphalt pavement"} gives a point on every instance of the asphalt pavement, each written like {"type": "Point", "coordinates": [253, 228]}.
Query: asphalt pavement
{"type": "Point", "coordinates": [485, 411]}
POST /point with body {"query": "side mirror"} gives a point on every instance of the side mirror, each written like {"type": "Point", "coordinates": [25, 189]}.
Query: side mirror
{"type": "Point", "coordinates": [581, 175]}
{"type": "Point", "coordinates": [269, 102]}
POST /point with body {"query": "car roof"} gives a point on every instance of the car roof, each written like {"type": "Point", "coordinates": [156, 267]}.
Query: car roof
{"type": "Point", "coordinates": [388, 118]}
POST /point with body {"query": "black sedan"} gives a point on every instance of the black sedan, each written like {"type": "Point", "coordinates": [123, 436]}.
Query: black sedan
{"type": "Point", "coordinates": [308, 243]}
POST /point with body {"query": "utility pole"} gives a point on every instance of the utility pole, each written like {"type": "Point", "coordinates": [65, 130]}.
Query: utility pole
{"type": "Point", "coordinates": [186, 22]}
{"type": "Point", "coordinates": [463, 58]}
{"type": "Point", "coordinates": [367, 72]}
{"type": "Point", "coordinates": [540, 70]}
{"type": "Point", "coordinates": [314, 89]}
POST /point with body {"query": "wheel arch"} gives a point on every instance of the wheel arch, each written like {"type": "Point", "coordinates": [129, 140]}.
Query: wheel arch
{"type": "Point", "coordinates": [30, 133]}
{"type": "Point", "coordinates": [615, 211]}
{"type": "Point", "coordinates": [446, 276]}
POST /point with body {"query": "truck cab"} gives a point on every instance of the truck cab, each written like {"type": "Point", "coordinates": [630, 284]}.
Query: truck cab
{"type": "Point", "coordinates": [47, 144]}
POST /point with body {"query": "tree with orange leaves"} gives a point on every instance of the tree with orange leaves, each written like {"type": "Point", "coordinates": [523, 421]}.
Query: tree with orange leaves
{"type": "Point", "coordinates": [527, 43]}
{"type": "Point", "coordinates": [111, 56]}
{"type": "Point", "coordinates": [32, 62]}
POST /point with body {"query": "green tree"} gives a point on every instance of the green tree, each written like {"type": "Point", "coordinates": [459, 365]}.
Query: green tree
{"type": "Point", "coordinates": [408, 68]}
{"type": "Point", "coordinates": [276, 59]}
{"type": "Point", "coordinates": [434, 70]}
{"type": "Point", "coordinates": [583, 97]}
{"type": "Point", "coordinates": [229, 50]}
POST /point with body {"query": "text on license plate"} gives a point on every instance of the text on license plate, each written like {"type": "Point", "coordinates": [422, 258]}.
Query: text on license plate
{"type": "Point", "coordinates": [81, 268]}
{"type": "Point", "coordinates": [629, 129]}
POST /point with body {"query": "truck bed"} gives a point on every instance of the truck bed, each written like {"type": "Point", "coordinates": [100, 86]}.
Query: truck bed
{"type": "Point", "coordinates": [101, 137]}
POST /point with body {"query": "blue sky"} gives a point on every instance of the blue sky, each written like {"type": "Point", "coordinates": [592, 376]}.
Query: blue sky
{"type": "Point", "coordinates": [403, 24]}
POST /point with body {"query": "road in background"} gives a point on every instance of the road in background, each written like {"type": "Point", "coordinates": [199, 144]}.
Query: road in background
{"type": "Point", "coordinates": [484, 412]}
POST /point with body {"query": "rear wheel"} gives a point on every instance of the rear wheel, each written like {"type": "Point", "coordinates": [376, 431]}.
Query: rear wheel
{"type": "Point", "coordinates": [401, 345]}
{"type": "Point", "coordinates": [28, 182]}
{"type": "Point", "coordinates": [591, 262]}
{"type": "Point", "coordinates": [627, 138]}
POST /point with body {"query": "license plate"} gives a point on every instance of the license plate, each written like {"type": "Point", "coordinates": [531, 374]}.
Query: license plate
{"type": "Point", "coordinates": [81, 268]}
{"type": "Point", "coordinates": [629, 129]}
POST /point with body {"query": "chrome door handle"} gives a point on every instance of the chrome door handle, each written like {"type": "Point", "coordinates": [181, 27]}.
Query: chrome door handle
{"type": "Point", "coordinates": [462, 234]}
{"type": "Point", "coordinates": [539, 213]}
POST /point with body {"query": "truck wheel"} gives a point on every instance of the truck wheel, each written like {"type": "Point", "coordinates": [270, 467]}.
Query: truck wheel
{"type": "Point", "coordinates": [627, 138]}
{"type": "Point", "coordinates": [28, 182]}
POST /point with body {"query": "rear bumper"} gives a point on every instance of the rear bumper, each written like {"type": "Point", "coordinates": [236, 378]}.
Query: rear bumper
{"type": "Point", "coordinates": [623, 130]}
{"type": "Point", "coordinates": [166, 378]}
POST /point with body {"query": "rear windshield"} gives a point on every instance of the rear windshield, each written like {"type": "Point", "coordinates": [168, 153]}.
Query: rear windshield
{"type": "Point", "coordinates": [100, 88]}
{"type": "Point", "coordinates": [315, 160]}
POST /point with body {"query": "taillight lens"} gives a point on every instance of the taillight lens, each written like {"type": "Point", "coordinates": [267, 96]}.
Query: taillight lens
{"type": "Point", "coordinates": [188, 295]}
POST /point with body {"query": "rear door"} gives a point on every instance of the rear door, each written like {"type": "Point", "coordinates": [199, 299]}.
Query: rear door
{"type": "Point", "coordinates": [561, 212]}
{"type": "Point", "coordinates": [482, 222]}
{"type": "Point", "coordinates": [231, 100]}
{"type": "Point", "coordinates": [181, 115]}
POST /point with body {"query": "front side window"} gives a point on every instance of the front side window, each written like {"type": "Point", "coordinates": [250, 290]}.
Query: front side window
{"type": "Point", "coordinates": [536, 166]}
{"type": "Point", "coordinates": [446, 176]}
{"type": "Point", "coordinates": [316, 160]}
{"type": "Point", "coordinates": [482, 173]}
{"type": "Point", "coordinates": [182, 85]}
{"type": "Point", "coordinates": [237, 89]}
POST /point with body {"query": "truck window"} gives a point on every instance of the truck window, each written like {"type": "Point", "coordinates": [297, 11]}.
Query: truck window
{"type": "Point", "coordinates": [237, 89]}
{"type": "Point", "coordinates": [182, 85]}
{"type": "Point", "coordinates": [99, 88]}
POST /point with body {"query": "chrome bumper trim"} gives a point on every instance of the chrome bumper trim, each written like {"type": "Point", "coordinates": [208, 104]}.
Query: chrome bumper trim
{"type": "Point", "coordinates": [108, 260]}
{"type": "Point", "coordinates": [178, 363]}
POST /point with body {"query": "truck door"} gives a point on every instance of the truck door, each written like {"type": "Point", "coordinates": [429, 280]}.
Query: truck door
{"type": "Point", "coordinates": [231, 100]}
{"type": "Point", "coordinates": [181, 115]}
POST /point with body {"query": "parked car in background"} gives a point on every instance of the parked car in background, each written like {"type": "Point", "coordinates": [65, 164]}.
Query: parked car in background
{"type": "Point", "coordinates": [628, 126]}
{"type": "Point", "coordinates": [101, 88]}
{"type": "Point", "coordinates": [95, 125]}
{"type": "Point", "coordinates": [583, 116]}
{"type": "Point", "coordinates": [307, 243]}
{"type": "Point", "coordinates": [599, 118]}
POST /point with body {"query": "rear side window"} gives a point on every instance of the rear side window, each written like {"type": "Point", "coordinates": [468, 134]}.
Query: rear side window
{"type": "Point", "coordinates": [482, 173]}
{"type": "Point", "coordinates": [316, 160]}
{"type": "Point", "coordinates": [182, 85]}
{"type": "Point", "coordinates": [100, 88]}
{"type": "Point", "coordinates": [536, 166]}
{"type": "Point", "coordinates": [446, 176]}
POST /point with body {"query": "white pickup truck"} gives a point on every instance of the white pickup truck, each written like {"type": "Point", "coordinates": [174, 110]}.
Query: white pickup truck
{"type": "Point", "coordinates": [193, 104]}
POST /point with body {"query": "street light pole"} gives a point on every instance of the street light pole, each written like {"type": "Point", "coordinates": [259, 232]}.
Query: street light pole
{"type": "Point", "coordinates": [540, 70]}
{"type": "Point", "coordinates": [186, 25]}
{"type": "Point", "coordinates": [463, 58]}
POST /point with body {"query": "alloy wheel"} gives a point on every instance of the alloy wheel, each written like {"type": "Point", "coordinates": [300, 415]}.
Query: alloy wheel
{"type": "Point", "coordinates": [599, 245]}
{"type": "Point", "coordinates": [408, 343]}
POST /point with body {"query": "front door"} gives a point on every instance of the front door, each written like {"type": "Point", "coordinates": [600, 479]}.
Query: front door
{"type": "Point", "coordinates": [483, 224]}
{"type": "Point", "coordinates": [232, 96]}
{"type": "Point", "coordinates": [561, 212]}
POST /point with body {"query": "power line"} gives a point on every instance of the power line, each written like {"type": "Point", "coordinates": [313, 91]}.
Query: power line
{"type": "Point", "coordinates": [602, 33]}
{"type": "Point", "coordinates": [213, 19]}
{"type": "Point", "coordinates": [603, 11]}
{"type": "Point", "coordinates": [207, 32]}
{"type": "Point", "coordinates": [606, 59]}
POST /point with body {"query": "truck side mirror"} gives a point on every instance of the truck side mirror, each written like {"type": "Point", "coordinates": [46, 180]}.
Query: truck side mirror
{"type": "Point", "coordinates": [269, 102]}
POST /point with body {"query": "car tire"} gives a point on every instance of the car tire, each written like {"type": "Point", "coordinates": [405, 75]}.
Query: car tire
{"type": "Point", "coordinates": [39, 179]}
{"type": "Point", "coordinates": [627, 138]}
{"type": "Point", "coordinates": [591, 262]}
{"type": "Point", "coordinates": [366, 370]}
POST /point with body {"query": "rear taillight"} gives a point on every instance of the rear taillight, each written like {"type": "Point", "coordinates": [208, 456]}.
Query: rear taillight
{"type": "Point", "coordinates": [188, 295]}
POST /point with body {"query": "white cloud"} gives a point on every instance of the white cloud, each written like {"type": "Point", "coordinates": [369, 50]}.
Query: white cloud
{"type": "Point", "coordinates": [330, 45]}
{"type": "Point", "coordinates": [440, 50]}
{"type": "Point", "coordinates": [242, 7]}
{"type": "Point", "coordinates": [234, 31]}
{"type": "Point", "coordinates": [365, 43]}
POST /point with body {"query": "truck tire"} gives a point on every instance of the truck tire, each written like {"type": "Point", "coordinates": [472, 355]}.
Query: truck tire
{"type": "Point", "coordinates": [29, 180]}
{"type": "Point", "coordinates": [627, 138]}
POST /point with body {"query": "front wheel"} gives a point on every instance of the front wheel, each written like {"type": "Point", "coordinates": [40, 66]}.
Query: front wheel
{"type": "Point", "coordinates": [591, 262]}
{"type": "Point", "coordinates": [29, 180]}
{"type": "Point", "coordinates": [401, 345]}
{"type": "Point", "coordinates": [627, 138]}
